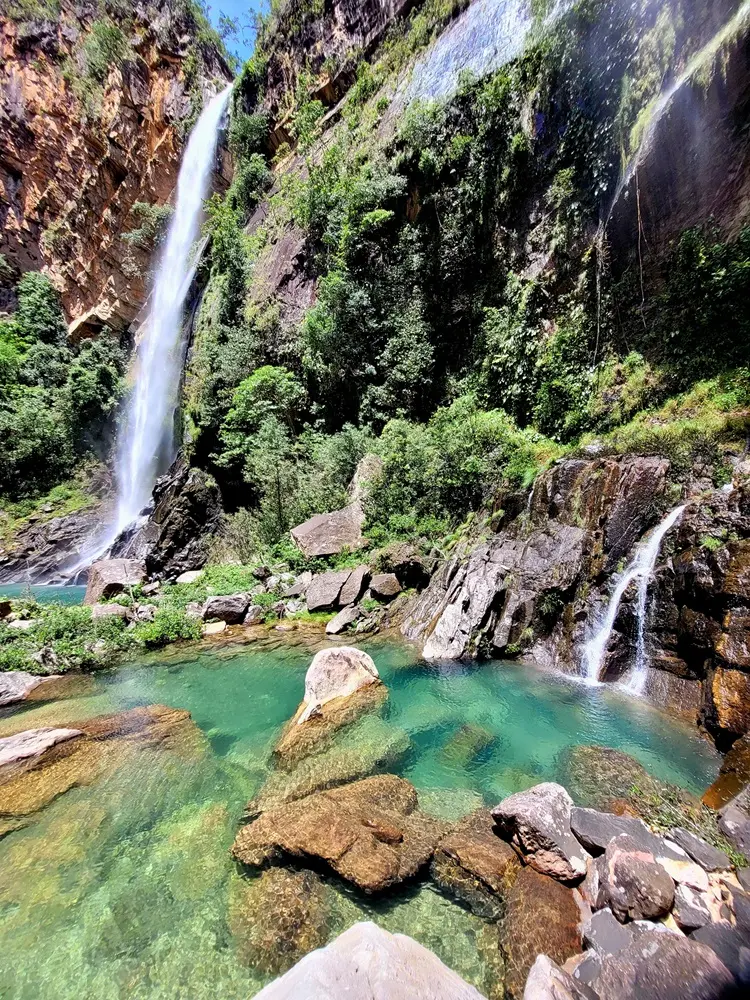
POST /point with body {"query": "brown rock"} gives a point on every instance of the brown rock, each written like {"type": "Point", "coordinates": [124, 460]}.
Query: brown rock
{"type": "Point", "coordinates": [113, 576]}
{"type": "Point", "coordinates": [542, 919]}
{"type": "Point", "coordinates": [476, 866]}
{"type": "Point", "coordinates": [733, 776]}
{"type": "Point", "coordinates": [343, 827]}
{"type": "Point", "coordinates": [278, 917]}
{"type": "Point", "coordinates": [336, 673]}
{"type": "Point", "coordinates": [730, 691]}
{"type": "Point", "coordinates": [733, 644]}
{"type": "Point", "coordinates": [634, 885]}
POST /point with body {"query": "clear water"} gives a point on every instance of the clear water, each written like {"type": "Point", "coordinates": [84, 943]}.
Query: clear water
{"type": "Point", "coordinates": [122, 889]}
{"type": "Point", "coordinates": [43, 594]}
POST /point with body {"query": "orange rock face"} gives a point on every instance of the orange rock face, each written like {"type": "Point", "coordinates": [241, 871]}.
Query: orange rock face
{"type": "Point", "coordinates": [72, 165]}
{"type": "Point", "coordinates": [731, 697]}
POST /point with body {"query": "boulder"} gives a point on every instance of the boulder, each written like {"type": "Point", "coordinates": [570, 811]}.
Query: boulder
{"type": "Point", "coordinates": [547, 981]}
{"type": "Point", "coordinates": [537, 823]}
{"type": "Point", "coordinates": [323, 593]}
{"type": "Point", "coordinates": [595, 829]}
{"type": "Point", "coordinates": [110, 611]}
{"type": "Point", "coordinates": [278, 918]}
{"type": "Point", "coordinates": [475, 866]}
{"type": "Point", "coordinates": [342, 621]}
{"type": "Point", "coordinates": [370, 832]}
{"type": "Point", "coordinates": [230, 609]}
{"type": "Point", "coordinates": [734, 821]}
{"type": "Point", "coordinates": [214, 628]}
{"type": "Point", "coordinates": [731, 944]}
{"type": "Point", "coordinates": [690, 910]}
{"type": "Point", "coordinates": [663, 967]}
{"type": "Point", "coordinates": [733, 776]}
{"type": "Point", "coordinates": [605, 934]}
{"type": "Point", "coordinates": [330, 534]}
{"type": "Point", "coordinates": [355, 586]}
{"type": "Point", "coordinates": [634, 885]}
{"type": "Point", "coordinates": [385, 586]}
{"type": "Point", "coordinates": [710, 858]}
{"type": "Point", "coordinates": [191, 576]}
{"type": "Point", "coordinates": [730, 693]}
{"type": "Point", "coordinates": [23, 624]}
{"type": "Point", "coordinates": [32, 743]}
{"type": "Point", "coordinates": [543, 917]}
{"type": "Point", "coordinates": [298, 588]}
{"type": "Point", "coordinates": [110, 577]}
{"type": "Point", "coordinates": [368, 963]}
{"type": "Point", "coordinates": [16, 685]}
{"type": "Point", "coordinates": [336, 673]}
{"type": "Point", "coordinates": [255, 615]}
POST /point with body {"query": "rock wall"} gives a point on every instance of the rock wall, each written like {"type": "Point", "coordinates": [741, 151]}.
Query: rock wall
{"type": "Point", "coordinates": [538, 587]}
{"type": "Point", "coordinates": [73, 162]}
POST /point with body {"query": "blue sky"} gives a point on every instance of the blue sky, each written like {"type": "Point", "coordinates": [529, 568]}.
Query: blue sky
{"type": "Point", "coordinates": [243, 10]}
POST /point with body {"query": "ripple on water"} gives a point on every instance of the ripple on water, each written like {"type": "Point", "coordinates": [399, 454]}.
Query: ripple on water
{"type": "Point", "coordinates": [123, 888]}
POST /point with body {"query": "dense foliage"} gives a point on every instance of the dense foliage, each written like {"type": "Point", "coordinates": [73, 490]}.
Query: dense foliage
{"type": "Point", "coordinates": [57, 400]}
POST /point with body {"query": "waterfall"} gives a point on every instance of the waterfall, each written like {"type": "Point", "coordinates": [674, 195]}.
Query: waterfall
{"type": "Point", "coordinates": [146, 444]}
{"type": "Point", "coordinates": [641, 569]}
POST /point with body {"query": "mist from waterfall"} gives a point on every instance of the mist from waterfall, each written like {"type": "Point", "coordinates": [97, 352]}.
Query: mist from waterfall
{"type": "Point", "coordinates": [641, 569]}
{"type": "Point", "coordinates": [146, 445]}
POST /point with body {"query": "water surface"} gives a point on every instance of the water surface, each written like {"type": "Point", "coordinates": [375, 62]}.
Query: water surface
{"type": "Point", "coordinates": [122, 889]}
{"type": "Point", "coordinates": [43, 593]}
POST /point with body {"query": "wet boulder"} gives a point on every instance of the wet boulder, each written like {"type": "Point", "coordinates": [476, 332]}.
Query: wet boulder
{"type": "Point", "coordinates": [370, 832]}
{"type": "Point", "coordinates": [369, 963]}
{"type": "Point", "coordinates": [336, 673]}
{"type": "Point", "coordinates": [473, 864]}
{"type": "Point", "coordinates": [537, 823]}
{"type": "Point", "coordinates": [110, 577]}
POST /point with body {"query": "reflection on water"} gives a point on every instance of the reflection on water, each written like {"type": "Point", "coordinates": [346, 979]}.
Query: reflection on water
{"type": "Point", "coordinates": [123, 888]}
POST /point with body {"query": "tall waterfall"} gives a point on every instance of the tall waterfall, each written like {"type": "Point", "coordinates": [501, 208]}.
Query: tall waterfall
{"type": "Point", "coordinates": [146, 444]}
{"type": "Point", "coordinates": [641, 569]}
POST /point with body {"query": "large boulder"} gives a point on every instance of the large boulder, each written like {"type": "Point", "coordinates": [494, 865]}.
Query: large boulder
{"type": "Point", "coordinates": [385, 586]}
{"type": "Point", "coordinates": [659, 966]}
{"type": "Point", "coordinates": [110, 577]}
{"type": "Point", "coordinates": [355, 586]}
{"type": "Point", "coordinates": [342, 621]}
{"type": "Point", "coordinates": [16, 685]}
{"type": "Point", "coordinates": [547, 981]}
{"type": "Point", "coordinates": [336, 673]}
{"type": "Point", "coordinates": [330, 534]}
{"type": "Point", "coordinates": [370, 832]}
{"type": "Point", "coordinates": [473, 864]}
{"type": "Point", "coordinates": [231, 608]}
{"type": "Point", "coordinates": [368, 963]}
{"type": "Point", "coordinates": [543, 917]}
{"type": "Point", "coordinates": [325, 589]}
{"type": "Point", "coordinates": [635, 886]}
{"type": "Point", "coordinates": [537, 823]}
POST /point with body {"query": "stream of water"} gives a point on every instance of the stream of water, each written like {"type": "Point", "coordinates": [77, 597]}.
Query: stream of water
{"type": "Point", "coordinates": [641, 569]}
{"type": "Point", "coordinates": [125, 888]}
{"type": "Point", "coordinates": [146, 445]}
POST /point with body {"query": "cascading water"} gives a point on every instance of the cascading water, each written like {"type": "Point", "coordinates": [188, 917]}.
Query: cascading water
{"type": "Point", "coordinates": [640, 569]}
{"type": "Point", "coordinates": [146, 445]}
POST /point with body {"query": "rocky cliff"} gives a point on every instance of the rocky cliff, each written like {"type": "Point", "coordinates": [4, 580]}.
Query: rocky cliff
{"type": "Point", "coordinates": [94, 107]}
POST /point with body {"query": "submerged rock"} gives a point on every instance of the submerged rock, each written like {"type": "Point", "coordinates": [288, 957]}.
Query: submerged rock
{"type": "Point", "coordinates": [277, 918]}
{"type": "Point", "coordinates": [110, 577]}
{"type": "Point", "coordinates": [368, 963]}
{"type": "Point", "coordinates": [475, 865]}
{"type": "Point", "coordinates": [537, 823]}
{"type": "Point", "coordinates": [336, 673]}
{"type": "Point", "coordinates": [370, 832]}
{"type": "Point", "coordinates": [542, 918]}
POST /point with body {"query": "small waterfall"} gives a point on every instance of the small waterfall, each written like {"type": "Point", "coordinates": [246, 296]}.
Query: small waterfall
{"type": "Point", "coordinates": [641, 569]}
{"type": "Point", "coordinates": [146, 444]}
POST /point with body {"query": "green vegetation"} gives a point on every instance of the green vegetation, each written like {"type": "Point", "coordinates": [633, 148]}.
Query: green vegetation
{"type": "Point", "coordinates": [57, 401]}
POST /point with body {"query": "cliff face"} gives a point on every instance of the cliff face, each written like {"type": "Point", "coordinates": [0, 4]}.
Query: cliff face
{"type": "Point", "coordinates": [92, 117]}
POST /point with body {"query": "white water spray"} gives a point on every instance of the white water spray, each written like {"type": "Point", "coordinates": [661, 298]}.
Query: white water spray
{"type": "Point", "coordinates": [640, 569]}
{"type": "Point", "coordinates": [146, 444]}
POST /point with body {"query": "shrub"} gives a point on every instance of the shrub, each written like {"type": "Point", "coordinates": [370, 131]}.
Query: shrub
{"type": "Point", "coordinates": [169, 625]}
